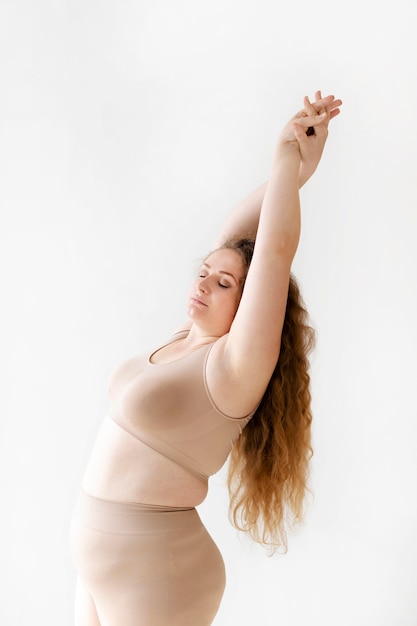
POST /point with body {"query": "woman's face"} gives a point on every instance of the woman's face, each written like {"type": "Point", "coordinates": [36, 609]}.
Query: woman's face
{"type": "Point", "coordinates": [215, 294]}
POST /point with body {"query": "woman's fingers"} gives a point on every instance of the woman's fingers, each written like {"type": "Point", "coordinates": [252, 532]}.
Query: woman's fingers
{"type": "Point", "coordinates": [310, 109]}
{"type": "Point", "coordinates": [318, 106]}
{"type": "Point", "coordinates": [311, 112]}
{"type": "Point", "coordinates": [335, 112]}
{"type": "Point", "coordinates": [299, 132]}
{"type": "Point", "coordinates": [311, 119]}
{"type": "Point", "coordinates": [328, 104]}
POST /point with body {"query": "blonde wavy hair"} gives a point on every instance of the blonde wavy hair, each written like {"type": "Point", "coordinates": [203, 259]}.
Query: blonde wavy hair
{"type": "Point", "coordinates": [269, 463]}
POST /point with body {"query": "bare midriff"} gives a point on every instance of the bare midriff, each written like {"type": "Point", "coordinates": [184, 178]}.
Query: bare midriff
{"type": "Point", "coordinates": [124, 469]}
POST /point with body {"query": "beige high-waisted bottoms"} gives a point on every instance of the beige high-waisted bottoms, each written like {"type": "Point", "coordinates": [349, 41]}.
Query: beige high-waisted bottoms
{"type": "Point", "coordinates": [144, 565]}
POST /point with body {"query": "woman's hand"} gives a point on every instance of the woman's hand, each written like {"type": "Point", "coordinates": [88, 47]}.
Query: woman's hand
{"type": "Point", "coordinates": [308, 131]}
{"type": "Point", "coordinates": [313, 147]}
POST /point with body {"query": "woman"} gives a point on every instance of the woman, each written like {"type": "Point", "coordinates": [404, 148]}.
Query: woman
{"type": "Point", "coordinates": [143, 555]}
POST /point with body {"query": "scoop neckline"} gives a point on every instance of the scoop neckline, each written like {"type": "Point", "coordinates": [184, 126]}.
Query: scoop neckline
{"type": "Point", "coordinates": [204, 345]}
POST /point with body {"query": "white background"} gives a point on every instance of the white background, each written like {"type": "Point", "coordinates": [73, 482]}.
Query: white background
{"type": "Point", "coordinates": [128, 130]}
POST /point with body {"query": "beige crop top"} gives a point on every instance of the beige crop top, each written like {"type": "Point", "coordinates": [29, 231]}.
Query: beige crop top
{"type": "Point", "coordinates": [168, 407]}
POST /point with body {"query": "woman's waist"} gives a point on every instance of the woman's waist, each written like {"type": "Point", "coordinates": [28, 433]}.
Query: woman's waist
{"type": "Point", "coordinates": [122, 468]}
{"type": "Point", "coordinates": [143, 480]}
{"type": "Point", "coordinates": [162, 489]}
{"type": "Point", "coordinates": [117, 516]}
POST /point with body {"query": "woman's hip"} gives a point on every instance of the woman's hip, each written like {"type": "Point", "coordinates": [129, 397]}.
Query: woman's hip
{"type": "Point", "coordinates": [116, 543]}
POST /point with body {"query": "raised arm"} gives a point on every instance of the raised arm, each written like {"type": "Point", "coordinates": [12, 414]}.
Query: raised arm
{"type": "Point", "coordinates": [241, 363]}
{"type": "Point", "coordinates": [243, 220]}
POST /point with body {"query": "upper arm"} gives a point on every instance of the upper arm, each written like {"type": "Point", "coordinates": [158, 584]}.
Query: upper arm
{"type": "Point", "coordinates": [243, 219]}
{"type": "Point", "coordinates": [241, 363]}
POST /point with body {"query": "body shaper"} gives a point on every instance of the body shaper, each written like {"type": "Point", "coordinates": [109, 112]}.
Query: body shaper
{"type": "Point", "coordinates": [151, 565]}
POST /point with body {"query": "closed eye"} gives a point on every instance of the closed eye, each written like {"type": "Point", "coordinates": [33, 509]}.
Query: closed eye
{"type": "Point", "coordinates": [223, 286]}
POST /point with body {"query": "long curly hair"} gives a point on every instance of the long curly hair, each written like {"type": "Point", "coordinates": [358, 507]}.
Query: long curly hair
{"type": "Point", "coordinates": [269, 463]}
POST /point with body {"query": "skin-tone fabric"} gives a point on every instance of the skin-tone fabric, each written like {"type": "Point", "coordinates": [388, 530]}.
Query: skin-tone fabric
{"type": "Point", "coordinates": [168, 407]}
{"type": "Point", "coordinates": [142, 565]}
{"type": "Point", "coordinates": [152, 564]}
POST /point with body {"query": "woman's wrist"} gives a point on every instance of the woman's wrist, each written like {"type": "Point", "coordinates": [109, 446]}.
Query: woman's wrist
{"type": "Point", "coordinates": [305, 173]}
{"type": "Point", "coordinates": [288, 152]}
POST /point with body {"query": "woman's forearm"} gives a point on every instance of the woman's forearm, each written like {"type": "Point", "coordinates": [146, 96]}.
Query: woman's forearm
{"type": "Point", "coordinates": [244, 218]}
{"type": "Point", "coordinates": [279, 223]}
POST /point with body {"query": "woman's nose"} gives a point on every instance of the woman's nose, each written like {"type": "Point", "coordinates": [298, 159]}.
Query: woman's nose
{"type": "Point", "coordinates": [203, 284]}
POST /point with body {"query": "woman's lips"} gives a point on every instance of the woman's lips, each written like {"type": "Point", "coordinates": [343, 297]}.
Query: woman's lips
{"type": "Point", "coordinates": [197, 301]}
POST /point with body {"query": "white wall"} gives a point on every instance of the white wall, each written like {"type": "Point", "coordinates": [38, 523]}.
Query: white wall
{"type": "Point", "coordinates": [128, 130]}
